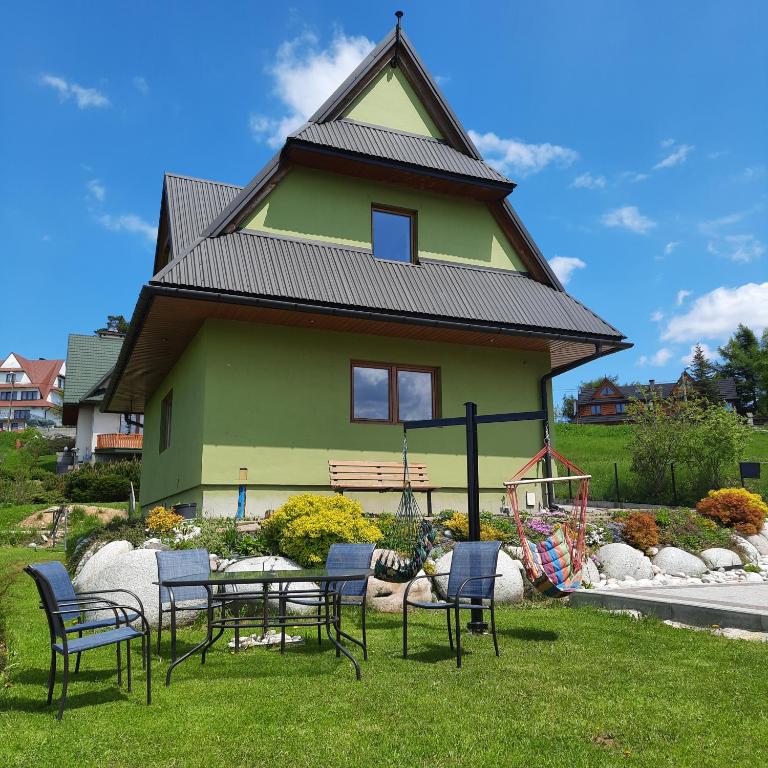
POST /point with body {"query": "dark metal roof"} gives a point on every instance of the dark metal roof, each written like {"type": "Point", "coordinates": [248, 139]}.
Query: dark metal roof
{"type": "Point", "coordinates": [399, 146]}
{"type": "Point", "coordinates": [192, 205]}
{"type": "Point", "coordinates": [727, 389]}
{"type": "Point", "coordinates": [259, 264]}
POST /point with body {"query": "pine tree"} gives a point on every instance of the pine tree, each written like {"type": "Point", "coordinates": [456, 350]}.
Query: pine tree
{"type": "Point", "coordinates": [746, 360]}
{"type": "Point", "coordinates": [703, 375]}
{"type": "Point", "coordinates": [117, 325]}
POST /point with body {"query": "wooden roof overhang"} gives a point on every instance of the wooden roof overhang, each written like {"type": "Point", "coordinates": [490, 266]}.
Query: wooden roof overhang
{"type": "Point", "coordinates": [166, 319]}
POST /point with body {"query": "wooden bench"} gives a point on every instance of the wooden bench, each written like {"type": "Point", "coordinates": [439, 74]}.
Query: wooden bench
{"type": "Point", "coordinates": [379, 476]}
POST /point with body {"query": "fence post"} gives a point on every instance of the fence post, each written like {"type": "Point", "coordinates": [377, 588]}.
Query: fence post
{"type": "Point", "coordinates": [674, 485]}
{"type": "Point", "coordinates": [616, 480]}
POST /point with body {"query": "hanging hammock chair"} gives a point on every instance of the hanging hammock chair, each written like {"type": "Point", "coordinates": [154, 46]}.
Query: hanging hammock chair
{"type": "Point", "coordinates": [553, 565]}
{"type": "Point", "coordinates": [410, 538]}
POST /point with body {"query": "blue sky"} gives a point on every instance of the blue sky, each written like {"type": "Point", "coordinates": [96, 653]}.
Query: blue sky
{"type": "Point", "coordinates": [636, 131]}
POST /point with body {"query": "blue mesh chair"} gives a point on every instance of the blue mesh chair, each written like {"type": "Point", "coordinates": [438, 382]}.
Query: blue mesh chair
{"type": "Point", "coordinates": [341, 557]}
{"type": "Point", "coordinates": [179, 563]}
{"type": "Point", "coordinates": [64, 591]}
{"type": "Point", "coordinates": [58, 611]}
{"type": "Point", "coordinates": [472, 575]}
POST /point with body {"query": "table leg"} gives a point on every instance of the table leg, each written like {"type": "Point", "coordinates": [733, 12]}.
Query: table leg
{"type": "Point", "coordinates": [331, 601]}
{"type": "Point", "coordinates": [203, 646]}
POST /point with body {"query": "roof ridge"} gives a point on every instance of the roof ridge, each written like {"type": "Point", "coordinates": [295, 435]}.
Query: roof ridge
{"type": "Point", "coordinates": [203, 181]}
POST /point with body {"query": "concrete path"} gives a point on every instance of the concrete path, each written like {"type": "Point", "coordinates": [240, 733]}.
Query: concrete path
{"type": "Point", "coordinates": [743, 606]}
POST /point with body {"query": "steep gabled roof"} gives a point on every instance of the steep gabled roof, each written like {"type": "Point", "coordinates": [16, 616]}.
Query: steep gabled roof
{"type": "Point", "coordinates": [456, 143]}
{"type": "Point", "coordinates": [42, 373]}
{"type": "Point", "coordinates": [89, 358]}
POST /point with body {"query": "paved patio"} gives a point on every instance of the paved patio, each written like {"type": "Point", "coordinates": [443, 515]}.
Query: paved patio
{"type": "Point", "coordinates": [743, 606]}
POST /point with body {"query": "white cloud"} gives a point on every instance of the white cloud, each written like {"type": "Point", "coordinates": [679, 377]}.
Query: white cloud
{"type": "Point", "coordinates": [519, 158]}
{"type": "Point", "coordinates": [739, 248]}
{"type": "Point", "coordinates": [634, 177]}
{"type": "Point", "coordinates": [96, 190]}
{"type": "Point", "coordinates": [660, 358]}
{"type": "Point", "coordinates": [141, 85]}
{"type": "Point", "coordinates": [657, 316]}
{"type": "Point", "coordinates": [305, 76]}
{"type": "Point", "coordinates": [713, 226]}
{"type": "Point", "coordinates": [669, 247]}
{"type": "Point", "coordinates": [628, 217]}
{"type": "Point", "coordinates": [709, 353]}
{"type": "Point", "coordinates": [565, 266]}
{"type": "Point", "coordinates": [676, 157]}
{"type": "Point", "coordinates": [716, 314]}
{"type": "Point", "coordinates": [588, 181]}
{"type": "Point", "coordinates": [84, 97]}
{"type": "Point", "coordinates": [681, 297]}
{"type": "Point", "coordinates": [128, 222]}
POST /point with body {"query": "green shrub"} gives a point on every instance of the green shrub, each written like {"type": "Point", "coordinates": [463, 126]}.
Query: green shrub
{"type": "Point", "coordinates": [108, 481]}
{"type": "Point", "coordinates": [307, 524]}
{"type": "Point", "coordinates": [686, 529]}
{"type": "Point", "coordinates": [86, 530]}
{"type": "Point", "coordinates": [220, 536]}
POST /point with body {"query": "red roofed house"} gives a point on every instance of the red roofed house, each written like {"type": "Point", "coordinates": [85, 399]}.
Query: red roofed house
{"type": "Point", "coordinates": [30, 391]}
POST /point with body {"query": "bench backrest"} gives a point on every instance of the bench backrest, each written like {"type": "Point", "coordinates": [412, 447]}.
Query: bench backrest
{"type": "Point", "coordinates": [382, 474]}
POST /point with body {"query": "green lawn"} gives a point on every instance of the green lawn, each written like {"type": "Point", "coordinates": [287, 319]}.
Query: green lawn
{"type": "Point", "coordinates": [595, 448]}
{"type": "Point", "coordinates": [572, 688]}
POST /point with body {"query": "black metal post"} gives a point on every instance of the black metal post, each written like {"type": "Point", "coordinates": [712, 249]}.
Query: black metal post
{"type": "Point", "coordinates": [674, 484]}
{"type": "Point", "coordinates": [476, 624]}
{"type": "Point", "coordinates": [616, 480]}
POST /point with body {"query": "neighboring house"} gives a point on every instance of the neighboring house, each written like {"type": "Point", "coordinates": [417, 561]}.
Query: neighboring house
{"type": "Point", "coordinates": [30, 392]}
{"type": "Point", "coordinates": [608, 402]}
{"type": "Point", "coordinates": [372, 272]}
{"type": "Point", "coordinates": [100, 436]}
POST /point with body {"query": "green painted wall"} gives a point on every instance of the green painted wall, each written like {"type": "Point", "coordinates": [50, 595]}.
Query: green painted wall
{"type": "Point", "coordinates": [390, 101]}
{"type": "Point", "coordinates": [168, 476]}
{"type": "Point", "coordinates": [326, 206]}
{"type": "Point", "coordinates": [277, 400]}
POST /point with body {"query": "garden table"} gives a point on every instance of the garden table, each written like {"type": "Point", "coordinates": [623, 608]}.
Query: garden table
{"type": "Point", "coordinates": [224, 584]}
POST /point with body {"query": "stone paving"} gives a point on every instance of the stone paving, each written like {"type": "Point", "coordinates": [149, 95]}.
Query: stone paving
{"type": "Point", "coordinates": [743, 606]}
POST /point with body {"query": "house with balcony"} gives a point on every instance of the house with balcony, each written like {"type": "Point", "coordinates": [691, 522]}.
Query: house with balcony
{"type": "Point", "coordinates": [30, 392]}
{"type": "Point", "coordinates": [373, 271]}
{"type": "Point", "coordinates": [608, 402]}
{"type": "Point", "coordinates": [99, 436]}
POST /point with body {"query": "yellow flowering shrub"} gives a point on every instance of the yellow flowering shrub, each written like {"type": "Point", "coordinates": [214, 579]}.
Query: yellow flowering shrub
{"type": "Point", "coordinates": [735, 508]}
{"type": "Point", "coordinates": [162, 520]}
{"type": "Point", "coordinates": [307, 524]}
{"type": "Point", "coordinates": [459, 527]}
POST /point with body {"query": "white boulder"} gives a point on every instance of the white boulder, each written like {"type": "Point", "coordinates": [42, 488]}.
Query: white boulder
{"type": "Point", "coordinates": [135, 570]}
{"type": "Point", "coordinates": [764, 531]}
{"type": "Point", "coordinates": [619, 560]}
{"type": "Point", "coordinates": [748, 550]}
{"type": "Point", "coordinates": [98, 557]}
{"type": "Point", "coordinates": [589, 573]}
{"type": "Point", "coordinates": [270, 563]}
{"type": "Point", "coordinates": [674, 560]}
{"type": "Point", "coordinates": [508, 588]}
{"type": "Point", "coordinates": [719, 557]}
{"type": "Point", "coordinates": [755, 578]}
{"type": "Point", "coordinates": [760, 543]}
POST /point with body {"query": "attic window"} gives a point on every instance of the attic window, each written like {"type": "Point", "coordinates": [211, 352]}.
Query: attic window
{"type": "Point", "coordinates": [393, 233]}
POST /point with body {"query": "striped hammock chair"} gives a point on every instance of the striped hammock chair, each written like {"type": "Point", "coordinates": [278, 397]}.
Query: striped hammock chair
{"type": "Point", "coordinates": [409, 540]}
{"type": "Point", "coordinates": [554, 565]}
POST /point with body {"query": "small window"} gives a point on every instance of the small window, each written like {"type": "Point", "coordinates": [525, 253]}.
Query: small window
{"type": "Point", "coordinates": [166, 413]}
{"type": "Point", "coordinates": [596, 410]}
{"type": "Point", "coordinates": [606, 391]}
{"type": "Point", "coordinates": [10, 378]}
{"type": "Point", "coordinates": [621, 408]}
{"type": "Point", "coordinates": [22, 415]}
{"type": "Point", "coordinates": [389, 394]}
{"type": "Point", "coordinates": [393, 234]}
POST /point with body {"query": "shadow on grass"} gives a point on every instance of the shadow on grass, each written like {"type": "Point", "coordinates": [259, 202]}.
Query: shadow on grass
{"type": "Point", "coordinates": [525, 633]}
{"type": "Point", "coordinates": [37, 705]}
{"type": "Point", "coordinates": [431, 654]}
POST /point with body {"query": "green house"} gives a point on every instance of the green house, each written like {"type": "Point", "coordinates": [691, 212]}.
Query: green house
{"type": "Point", "coordinates": [372, 272]}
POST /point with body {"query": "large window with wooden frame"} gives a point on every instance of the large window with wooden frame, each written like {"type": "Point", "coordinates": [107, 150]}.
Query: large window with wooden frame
{"type": "Point", "coordinates": [388, 393]}
{"type": "Point", "coordinates": [166, 417]}
{"type": "Point", "coordinates": [393, 233]}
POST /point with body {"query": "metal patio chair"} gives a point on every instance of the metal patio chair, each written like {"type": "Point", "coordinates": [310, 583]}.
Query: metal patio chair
{"type": "Point", "coordinates": [472, 575]}
{"type": "Point", "coordinates": [64, 591]}
{"type": "Point", "coordinates": [340, 557]}
{"type": "Point", "coordinates": [179, 563]}
{"type": "Point", "coordinates": [117, 630]}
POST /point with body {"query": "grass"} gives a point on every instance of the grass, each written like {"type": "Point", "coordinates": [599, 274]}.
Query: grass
{"type": "Point", "coordinates": [572, 687]}
{"type": "Point", "coordinates": [595, 448]}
